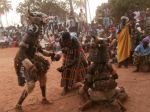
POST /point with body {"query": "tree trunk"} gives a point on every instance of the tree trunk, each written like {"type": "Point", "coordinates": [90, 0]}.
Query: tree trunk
{"type": "Point", "coordinates": [6, 17]}
{"type": "Point", "coordinates": [89, 10]}
{"type": "Point", "coordinates": [1, 21]}
{"type": "Point", "coordinates": [85, 3]}
{"type": "Point", "coordinates": [71, 6]}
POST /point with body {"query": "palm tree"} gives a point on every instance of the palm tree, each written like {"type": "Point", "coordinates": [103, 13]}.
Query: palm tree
{"type": "Point", "coordinates": [79, 3]}
{"type": "Point", "coordinates": [71, 6]}
{"type": "Point", "coordinates": [5, 7]}
{"type": "Point", "coordinates": [1, 13]}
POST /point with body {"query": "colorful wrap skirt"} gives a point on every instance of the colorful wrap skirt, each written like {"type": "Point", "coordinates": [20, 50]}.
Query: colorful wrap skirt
{"type": "Point", "coordinates": [141, 60]}
{"type": "Point", "coordinates": [76, 72]}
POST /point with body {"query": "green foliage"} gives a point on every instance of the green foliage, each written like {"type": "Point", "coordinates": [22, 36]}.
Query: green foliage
{"type": "Point", "coordinates": [52, 7]}
{"type": "Point", "coordinates": [79, 4]}
{"type": "Point", "coordinates": [119, 8]}
{"type": "Point", "coordinates": [5, 6]}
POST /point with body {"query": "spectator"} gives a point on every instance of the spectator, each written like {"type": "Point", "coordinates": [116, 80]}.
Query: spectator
{"type": "Point", "coordinates": [142, 54]}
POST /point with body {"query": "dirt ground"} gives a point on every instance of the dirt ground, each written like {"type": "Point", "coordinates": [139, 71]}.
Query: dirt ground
{"type": "Point", "coordinates": [137, 86]}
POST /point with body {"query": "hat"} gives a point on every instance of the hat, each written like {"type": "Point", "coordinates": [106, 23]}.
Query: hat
{"type": "Point", "coordinates": [125, 17]}
{"type": "Point", "coordinates": [146, 39]}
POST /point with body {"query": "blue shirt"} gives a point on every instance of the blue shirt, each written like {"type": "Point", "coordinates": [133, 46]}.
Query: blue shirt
{"type": "Point", "coordinates": [141, 51]}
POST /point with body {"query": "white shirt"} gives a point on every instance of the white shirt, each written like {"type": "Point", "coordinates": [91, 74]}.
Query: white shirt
{"type": "Point", "coordinates": [82, 17]}
{"type": "Point", "coordinates": [137, 15]}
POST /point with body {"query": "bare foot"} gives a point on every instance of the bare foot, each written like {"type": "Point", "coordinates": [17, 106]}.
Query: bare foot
{"type": "Point", "coordinates": [64, 92]}
{"type": "Point", "coordinates": [18, 108]}
{"type": "Point", "coordinates": [45, 101]}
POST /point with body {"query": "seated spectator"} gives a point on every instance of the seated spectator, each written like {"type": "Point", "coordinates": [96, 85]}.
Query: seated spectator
{"type": "Point", "coordinates": [142, 54]}
{"type": "Point", "coordinates": [4, 41]}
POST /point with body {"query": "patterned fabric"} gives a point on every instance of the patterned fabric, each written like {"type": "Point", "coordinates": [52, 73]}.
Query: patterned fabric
{"type": "Point", "coordinates": [92, 55]}
{"type": "Point", "coordinates": [78, 69]}
{"type": "Point", "coordinates": [141, 60]}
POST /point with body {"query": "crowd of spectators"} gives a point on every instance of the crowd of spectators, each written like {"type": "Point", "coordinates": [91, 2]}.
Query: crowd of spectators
{"type": "Point", "coordinates": [11, 36]}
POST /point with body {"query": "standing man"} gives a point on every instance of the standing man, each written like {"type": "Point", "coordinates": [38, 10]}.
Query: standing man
{"type": "Point", "coordinates": [82, 20]}
{"type": "Point", "coordinates": [124, 42]}
{"type": "Point", "coordinates": [55, 24]}
{"type": "Point", "coordinates": [72, 24]}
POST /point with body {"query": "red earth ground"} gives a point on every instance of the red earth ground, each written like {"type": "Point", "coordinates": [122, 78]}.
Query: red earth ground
{"type": "Point", "coordinates": [137, 86]}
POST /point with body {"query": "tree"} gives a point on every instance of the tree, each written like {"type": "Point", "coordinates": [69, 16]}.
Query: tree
{"type": "Point", "coordinates": [5, 7]}
{"type": "Point", "coordinates": [49, 7]}
{"type": "Point", "coordinates": [100, 12]}
{"type": "Point", "coordinates": [120, 8]}
{"type": "Point", "coordinates": [1, 13]}
{"type": "Point", "coordinates": [79, 3]}
{"type": "Point", "coordinates": [71, 6]}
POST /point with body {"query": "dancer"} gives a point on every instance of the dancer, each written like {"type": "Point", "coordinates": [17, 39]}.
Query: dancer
{"type": "Point", "coordinates": [100, 85]}
{"type": "Point", "coordinates": [74, 63]}
{"type": "Point", "coordinates": [29, 65]}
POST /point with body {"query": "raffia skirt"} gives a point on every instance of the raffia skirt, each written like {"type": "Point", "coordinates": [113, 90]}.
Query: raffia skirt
{"type": "Point", "coordinates": [42, 65]}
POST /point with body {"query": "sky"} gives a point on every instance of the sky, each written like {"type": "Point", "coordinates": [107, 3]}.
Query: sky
{"type": "Point", "coordinates": [14, 17]}
{"type": "Point", "coordinates": [93, 6]}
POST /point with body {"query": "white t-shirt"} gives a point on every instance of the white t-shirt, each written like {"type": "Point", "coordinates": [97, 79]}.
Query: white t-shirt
{"type": "Point", "coordinates": [4, 39]}
{"type": "Point", "coordinates": [137, 15]}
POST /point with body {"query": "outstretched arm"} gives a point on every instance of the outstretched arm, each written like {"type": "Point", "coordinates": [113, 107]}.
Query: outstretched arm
{"type": "Point", "coordinates": [46, 53]}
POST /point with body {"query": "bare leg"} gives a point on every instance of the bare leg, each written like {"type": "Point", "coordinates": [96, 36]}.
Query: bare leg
{"type": "Point", "coordinates": [137, 68]}
{"type": "Point", "coordinates": [118, 103]}
{"type": "Point", "coordinates": [21, 99]}
{"type": "Point", "coordinates": [29, 88]}
{"type": "Point", "coordinates": [122, 108]}
{"type": "Point", "coordinates": [65, 91]}
{"type": "Point", "coordinates": [43, 90]}
{"type": "Point", "coordinates": [44, 99]}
